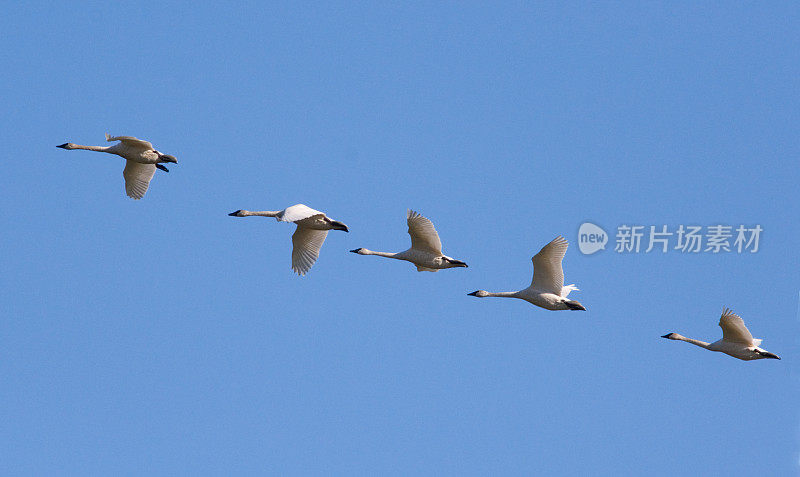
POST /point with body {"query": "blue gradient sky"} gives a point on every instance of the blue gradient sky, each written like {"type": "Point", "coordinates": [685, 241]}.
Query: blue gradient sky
{"type": "Point", "coordinates": [163, 337]}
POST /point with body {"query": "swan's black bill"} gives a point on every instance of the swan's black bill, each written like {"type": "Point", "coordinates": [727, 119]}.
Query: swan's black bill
{"type": "Point", "coordinates": [475, 293]}
{"type": "Point", "coordinates": [356, 250]}
{"type": "Point", "coordinates": [63, 146]}
{"type": "Point", "coordinates": [339, 226]}
{"type": "Point", "coordinates": [235, 214]}
{"type": "Point", "coordinates": [667, 336]}
{"type": "Point", "coordinates": [159, 166]}
{"type": "Point", "coordinates": [767, 354]}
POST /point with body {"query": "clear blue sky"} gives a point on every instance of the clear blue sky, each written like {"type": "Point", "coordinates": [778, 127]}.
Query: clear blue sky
{"type": "Point", "coordinates": [163, 337]}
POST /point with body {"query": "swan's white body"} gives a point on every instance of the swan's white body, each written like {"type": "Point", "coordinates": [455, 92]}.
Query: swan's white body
{"type": "Point", "coordinates": [141, 164]}
{"type": "Point", "coordinates": [736, 339]}
{"type": "Point", "coordinates": [307, 240]}
{"type": "Point", "coordinates": [547, 288]}
{"type": "Point", "coordinates": [426, 247]}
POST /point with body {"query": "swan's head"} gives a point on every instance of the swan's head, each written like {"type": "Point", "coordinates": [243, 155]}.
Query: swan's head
{"type": "Point", "coordinates": [239, 213]}
{"type": "Point", "coordinates": [672, 336]}
{"type": "Point", "coordinates": [67, 145]}
{"type": "Point", "coordinates": [339, 226]}
{"type": "Point", "coordinates": [167, 158]}
{"type": "Point", "coordinates": [360, 251]}
{"type": "Point", "coordinates": [479, 293]}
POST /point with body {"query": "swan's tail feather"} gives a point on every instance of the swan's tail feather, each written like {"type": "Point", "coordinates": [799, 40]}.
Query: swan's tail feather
{"type": "Point", "coordinates": [574, 305]}
{"type": "Point", "coordinates": [569, 288]}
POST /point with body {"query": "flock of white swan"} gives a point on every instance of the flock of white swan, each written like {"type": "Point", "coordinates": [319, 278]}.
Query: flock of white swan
{"type": "Point", "coordinates": [546, 290]}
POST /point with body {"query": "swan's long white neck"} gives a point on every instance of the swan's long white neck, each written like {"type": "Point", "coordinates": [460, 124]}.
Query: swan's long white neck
{"type": "Point", "coordinates": [92, 148]}
{"type": "Point", "coordinates": [695, 342]}
{"type": "Point", "coordinates": [261, 213]}
{"type": "Point", "coordinates": [365, 251]}
{"type": "Point", "coordinates": [513, 294]}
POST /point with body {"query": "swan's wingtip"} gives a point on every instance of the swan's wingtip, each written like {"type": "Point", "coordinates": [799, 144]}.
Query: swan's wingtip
{"type": "Point", "coordinates": [336, 225]}
{"type": "Point", "coordinates": [574, 305]}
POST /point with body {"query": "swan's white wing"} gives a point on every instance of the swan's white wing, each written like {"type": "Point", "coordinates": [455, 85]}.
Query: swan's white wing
{"type": "Point", "coordinates": [137, 178]}
{"type": "Point", "coordinates": [297, 212]}
{"type": "Point", "coordinates": [305, 248]}
{"type": "Point", "coordinates": [423, 235]}
{"type": "Point", "coordinates": [131, 141]}
{"type": "Point", "coordinates": [733, 328]}
{"type": "Point", "coordinates": [548, 275]}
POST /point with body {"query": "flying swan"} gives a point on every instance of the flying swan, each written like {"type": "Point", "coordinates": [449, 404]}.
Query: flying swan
{"type": "Point", "coordinates": [312, 228]}
{"type": "Point", "coordinates": [736, 339]}
{"type": "Point", "coordinates": [547, 288]}
{"type": "Point", "coordinates": [426, 247]}
{"type": "Point", "coordinates": [142, 161]}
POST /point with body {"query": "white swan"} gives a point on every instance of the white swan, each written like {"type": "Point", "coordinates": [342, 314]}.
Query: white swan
{"type": "Point", "coordinates": [426, 247]}
{"type": "Point", "coordinates": [312, 228]}
{"type": "Point", "coordinates": [142, 161]}
{"type": "Point", "coordinates": [736, 339]}
{"type": "Point", "coordinates": [547, 288]}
